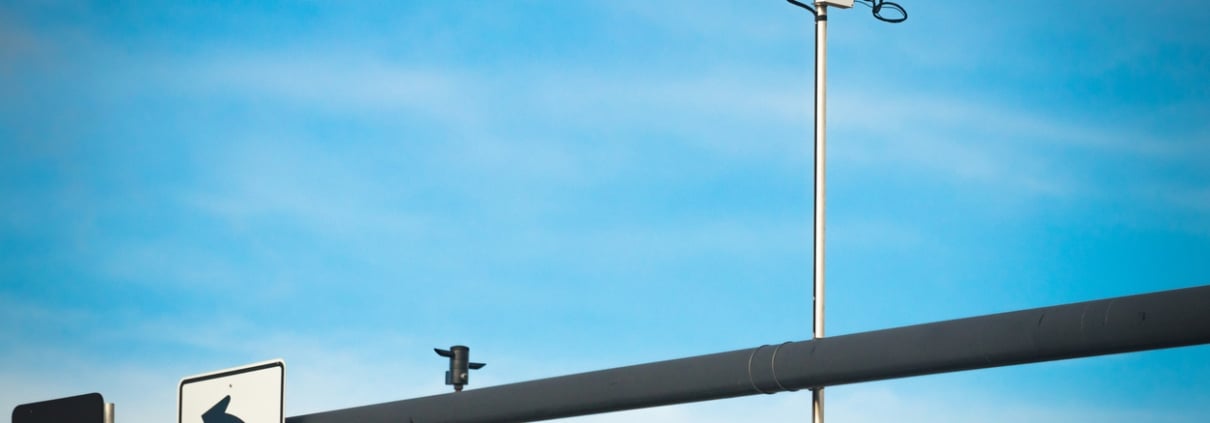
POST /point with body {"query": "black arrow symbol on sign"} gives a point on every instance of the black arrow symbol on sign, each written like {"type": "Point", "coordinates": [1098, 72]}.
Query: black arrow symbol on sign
{"type": "Point", "coordinates": [218, 413]}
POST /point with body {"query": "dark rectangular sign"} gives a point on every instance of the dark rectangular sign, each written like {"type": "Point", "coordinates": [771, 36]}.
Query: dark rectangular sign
{"type": "Point", "coordinates": [87, 408]}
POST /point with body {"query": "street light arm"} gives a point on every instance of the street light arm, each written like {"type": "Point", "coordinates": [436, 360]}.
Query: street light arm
{"type": "Point", "coordinates": [804, 6]}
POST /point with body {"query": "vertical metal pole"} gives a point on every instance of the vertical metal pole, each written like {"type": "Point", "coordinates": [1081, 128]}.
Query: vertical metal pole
{"type": "Point", "coordinates": [821, 42]}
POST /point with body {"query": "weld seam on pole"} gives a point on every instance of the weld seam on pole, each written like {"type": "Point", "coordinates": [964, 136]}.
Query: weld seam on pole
{"type": "Point", "coordinates": [773, 368]}
{"type": "Point", "coordinates": [752, 380]}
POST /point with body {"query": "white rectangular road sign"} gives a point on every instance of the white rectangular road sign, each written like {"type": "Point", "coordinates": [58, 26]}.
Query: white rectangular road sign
{"type": "Point", "coordinates": [247, 394]}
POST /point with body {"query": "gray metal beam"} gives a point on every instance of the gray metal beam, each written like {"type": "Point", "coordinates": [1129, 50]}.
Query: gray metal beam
{"type": "Point", "coordinates": [1134, 323]}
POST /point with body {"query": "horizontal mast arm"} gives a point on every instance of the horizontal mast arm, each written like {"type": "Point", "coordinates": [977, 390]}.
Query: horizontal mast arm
{"type": "Point", "coordinates": [1125, 324]}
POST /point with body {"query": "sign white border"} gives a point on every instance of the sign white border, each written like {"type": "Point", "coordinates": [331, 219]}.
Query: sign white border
{"type": "Point", "coordinates": [230, 372]}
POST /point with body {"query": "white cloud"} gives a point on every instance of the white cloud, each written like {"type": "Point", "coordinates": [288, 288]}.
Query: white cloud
{"type": "Point", "coordinates": [325, 187]}
{"type": "Point", "coordinates": [738, 22]}
{"type": "Point", "coordinates": [1016, 152]}
{"type": "Point", "coordinates": [339, 83]}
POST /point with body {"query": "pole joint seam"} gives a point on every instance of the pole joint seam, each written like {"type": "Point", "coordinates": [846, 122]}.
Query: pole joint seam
{"type": "Point", "coordinates": [752, 380]}
{"type": "Point", "coordinates": [773, 368]}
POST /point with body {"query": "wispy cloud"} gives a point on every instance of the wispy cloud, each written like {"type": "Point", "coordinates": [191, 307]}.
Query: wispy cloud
{"type": "Point", "coordinates": [347, 84]}
{"type": "Point", "coordinates": [994, 145]}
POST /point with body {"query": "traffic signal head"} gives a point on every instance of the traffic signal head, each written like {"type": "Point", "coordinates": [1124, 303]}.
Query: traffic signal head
{"type": "Point", "coordinates": [460, 365]}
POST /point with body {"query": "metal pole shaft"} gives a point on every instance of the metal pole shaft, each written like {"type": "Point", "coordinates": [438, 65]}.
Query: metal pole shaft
{"type": "Point", "coordinates": [821, 62]}
{"type": "Point", "coordinates": [1135, 323]}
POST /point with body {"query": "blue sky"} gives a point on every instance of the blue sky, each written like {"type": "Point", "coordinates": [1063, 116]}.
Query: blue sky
{"type": "Point", "coordinates": [571, 186]}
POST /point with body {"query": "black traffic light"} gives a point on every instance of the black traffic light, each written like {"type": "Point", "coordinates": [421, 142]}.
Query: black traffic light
{"type": "Point", "coordinates": [460, 365]}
